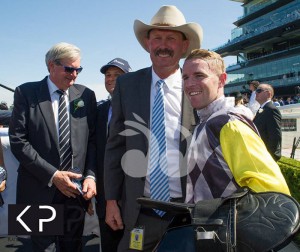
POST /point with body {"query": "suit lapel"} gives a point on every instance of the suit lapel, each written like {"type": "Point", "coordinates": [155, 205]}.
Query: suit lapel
{"type": "Point", "coordinates": [45, 105]}
{"type": "Point", "coordinates": [261, 110]}
{"type": "Point", "coordinates": [105, 109]}
{"type": "Point", "coordinates": [144, 87]}
{"type": "Point", "coordinates": [74, 94]}
{"type": "Point", "coordinates": [145, 94]}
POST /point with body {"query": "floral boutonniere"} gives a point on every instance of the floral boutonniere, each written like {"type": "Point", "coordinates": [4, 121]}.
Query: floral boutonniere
{"type": "Point", "coordinates": [78, 103]}
{"type": "Point", "coordinates": [260, 110]}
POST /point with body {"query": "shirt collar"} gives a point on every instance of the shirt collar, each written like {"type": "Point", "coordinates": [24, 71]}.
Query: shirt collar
{"type": "Point", "coordinates": [173, 81]}
{"type": "Point", "coordinates": [222, 102]}
{"type": "Point", "coordinates": [52, 87]}
{"type": "Point", "coordinates": [264, 103]}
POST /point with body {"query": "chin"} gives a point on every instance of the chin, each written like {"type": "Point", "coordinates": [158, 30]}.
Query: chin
{"type": "Point", "coordinates": [195, 105]}
{"type": "Point", "coordinates": [71, 83]}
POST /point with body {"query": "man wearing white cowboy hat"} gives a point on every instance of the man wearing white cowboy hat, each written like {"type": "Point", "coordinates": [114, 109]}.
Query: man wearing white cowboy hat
{"type": "Point", "coordinates": [136, 125]}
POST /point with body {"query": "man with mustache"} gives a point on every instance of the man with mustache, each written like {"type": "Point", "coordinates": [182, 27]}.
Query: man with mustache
{"type": "Point", "coordinates": [140, 100]}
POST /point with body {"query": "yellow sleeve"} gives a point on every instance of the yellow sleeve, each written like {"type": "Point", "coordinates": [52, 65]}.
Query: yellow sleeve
{"type": "Point", "coordinates": [248, 159]}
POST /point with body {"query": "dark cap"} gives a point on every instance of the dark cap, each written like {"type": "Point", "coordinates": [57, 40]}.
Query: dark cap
{"type": "Point", "coordinates": [117, 62]}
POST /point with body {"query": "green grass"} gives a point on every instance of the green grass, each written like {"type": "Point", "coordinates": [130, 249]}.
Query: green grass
{"type": "Point", "coordinates": [291, 171]}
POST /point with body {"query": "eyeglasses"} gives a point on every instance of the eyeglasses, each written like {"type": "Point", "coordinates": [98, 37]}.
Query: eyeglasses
{"type": "Point", "coordinates": [69, 69]}
{"type": "Point", "coordinates": [260, 90]}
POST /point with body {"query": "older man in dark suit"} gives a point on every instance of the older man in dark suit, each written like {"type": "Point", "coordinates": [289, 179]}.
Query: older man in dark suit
{"type": "Point", "coordinates": [52, 131]}
{"type": "Point", "coordinates": [268, 119]}
{"type": "Point", "coordinates": [112, 70]}
{"type": "Point", "coordinates": [134, 153]}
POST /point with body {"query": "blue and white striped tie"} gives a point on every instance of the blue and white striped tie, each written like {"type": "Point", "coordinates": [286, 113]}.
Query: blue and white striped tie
{"type": "Point", "coordinates": [159, 182]}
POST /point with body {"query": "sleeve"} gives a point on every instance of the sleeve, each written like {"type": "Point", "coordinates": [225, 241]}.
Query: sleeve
{"type": "Point", "coordinates": [115, 149]}
{"type": "Point", "coordinates": [274, 132]}
{"type": "Point", "coordinates": [90, 164]}
{"type": "Point", "coordinates": [21, 147]}
{"type": "Point", "coordinates": [248, 159]}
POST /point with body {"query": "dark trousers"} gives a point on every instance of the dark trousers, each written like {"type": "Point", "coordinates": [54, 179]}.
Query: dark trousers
{"type": "Point", "coordinates": [109, 238]}
{"type": "Point", "coordinates": [74, 214]}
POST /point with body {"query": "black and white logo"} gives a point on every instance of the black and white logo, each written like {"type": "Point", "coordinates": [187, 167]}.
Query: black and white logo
{"type": "Point", "coordinates": [35, 219]}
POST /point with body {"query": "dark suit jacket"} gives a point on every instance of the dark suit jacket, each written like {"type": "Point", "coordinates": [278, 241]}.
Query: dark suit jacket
{"type": "Point", "coordinates": [131, 117]}
{"type": "Point", "coordinates": [34, 140]}
{"type": "Point", "coordinates": [102, 134]}
{"type": "Point", "coordinates": [268, 125]}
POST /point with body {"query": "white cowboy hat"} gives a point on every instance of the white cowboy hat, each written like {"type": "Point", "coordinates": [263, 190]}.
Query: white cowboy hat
{"type": "Point", "coordinates": [169, 17]}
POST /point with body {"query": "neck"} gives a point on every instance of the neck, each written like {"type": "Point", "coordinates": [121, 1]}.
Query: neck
{"type": "Point", "coordinates": [165, 72]}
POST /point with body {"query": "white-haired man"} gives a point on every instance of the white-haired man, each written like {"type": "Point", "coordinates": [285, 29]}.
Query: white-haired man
{"type": "Point", "coordinates": [52, 131]}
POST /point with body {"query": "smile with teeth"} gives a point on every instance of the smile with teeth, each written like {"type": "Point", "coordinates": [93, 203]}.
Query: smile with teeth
{"type": "Point", "coordinates": [164, 55]}
{"type": "Point", "coordinates": [194, 93]}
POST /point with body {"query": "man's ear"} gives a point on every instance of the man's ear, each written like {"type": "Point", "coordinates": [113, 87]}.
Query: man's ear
{"type": "Point", "coordinates": [50, 65]}
{"type": "Point", "coordinates": [146, 41]}
{"type": "Point", "coordinates": [186, 44]}
{"type": "Point", "coordinates": [222, 78]}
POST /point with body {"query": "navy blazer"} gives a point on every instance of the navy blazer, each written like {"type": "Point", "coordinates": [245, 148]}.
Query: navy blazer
{"type": "Point", "coordinates": [102, 134]}
{"type": "Point", "coordinates": [124, 177]}
{"type": "Point", "coordinates": [34, 139]}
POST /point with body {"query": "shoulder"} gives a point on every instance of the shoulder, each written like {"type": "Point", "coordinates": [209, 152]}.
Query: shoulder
{"type": "Point", "coordinates": [103, 103]}
{"type": "Point", "coordinates": [131, 82]}
{"type": "Point", "coordinates": [244, 111]}
{"type": "Point", "coordinates": [217, 121]}
{"type": "Point", "coordinates": [132, 76]}
{"type": "Point", "coordinates": [271, 108]}
{"type": "Point", "coordinates": [81, 88]}
{"type": "Point", "coordinates": [32, 85]}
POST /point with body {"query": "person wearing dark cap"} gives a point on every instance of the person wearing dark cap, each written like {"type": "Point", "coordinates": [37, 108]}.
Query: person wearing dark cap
{"type": "Point", "coordinates": [4, 121]}
{"type": "Point", "coordinates": [149, 104]}
{"type": "Point", "coordinates": [3, 106]}
{"type": "Point", "coordinates": [2, 171]}
{"type": "Point", "coordinates": [253, 104]}
{"type": "Point", "coordinates": [111, 71]}
{"type": "Point", "coordinates": [116, 67]}
{"type": "Point", "coordinates": [5, 117]}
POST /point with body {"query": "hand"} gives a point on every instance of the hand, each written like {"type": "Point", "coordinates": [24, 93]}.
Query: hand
{"type": "Point", "coordinates": [113, 215]}
{"type": "Point", "coordinates": [62, 180]}
{"type": "Point", "coordinates": [89, 188]}
{"type": "Point", "coordinates": [2, 185]}
{"type": "Point", "coordinates": [90, 209]}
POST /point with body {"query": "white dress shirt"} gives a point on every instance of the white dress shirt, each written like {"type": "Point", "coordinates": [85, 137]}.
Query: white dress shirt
{"type": "Point", "coordinates": [172, 99]}
{"type": "Point", "coordinates": [55, 102]}
{"type": "Point", "coordinates": [253, 103]}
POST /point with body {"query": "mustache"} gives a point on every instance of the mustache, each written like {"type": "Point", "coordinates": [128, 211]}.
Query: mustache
{"type": "Point", "coordinates": [164, 51]}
